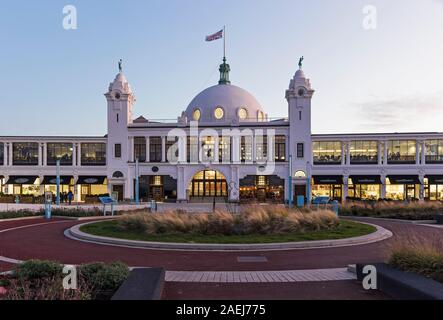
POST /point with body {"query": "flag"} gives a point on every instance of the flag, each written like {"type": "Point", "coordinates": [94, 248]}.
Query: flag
{"type": "Point", "coordinates": [215, 36]}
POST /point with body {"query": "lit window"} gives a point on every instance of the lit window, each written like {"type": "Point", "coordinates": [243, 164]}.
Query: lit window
{"type": "Point", "coordinates": [196, 115]}
{"type": "Point", "coordinates": [243, 113]}
{"type": "Point", "coordinates": [261, 181]}
{"type": "Point", "coordinates": [219, 113]}
{"type": "Point", "coordinates": [300, 174]}
{"type": "Point", "coordinates": [261, 116]}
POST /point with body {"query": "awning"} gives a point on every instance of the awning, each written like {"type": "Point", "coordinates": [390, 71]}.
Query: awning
{"type": "Point", "coordinates": [433, 179]}
{"type": "Point", "coordinates": [91, 180]}
{"type": "Point", "coordinates": [328, 179]}
{"type": "Point", "coordinates": [397, 179]}
{"type": "Point", "coordinates": [52, 180]}
{"type": "Point", "coordinates": [21, 180]}
{"type": "Point", "coordinates": [365, 179]}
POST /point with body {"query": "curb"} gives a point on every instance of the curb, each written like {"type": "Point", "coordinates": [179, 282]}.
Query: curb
{"type": "Point", "coordinates": [379, 235]}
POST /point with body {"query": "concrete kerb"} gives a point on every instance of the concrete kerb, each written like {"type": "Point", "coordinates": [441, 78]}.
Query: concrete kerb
{"type": "Point", "coordinates": [379, 235]}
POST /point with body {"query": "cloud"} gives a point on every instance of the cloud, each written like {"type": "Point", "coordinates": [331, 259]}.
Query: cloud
{"type": "Point", "coordinates": [405, 113]}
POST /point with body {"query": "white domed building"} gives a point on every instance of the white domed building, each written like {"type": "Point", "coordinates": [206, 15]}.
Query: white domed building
{"type": "Point", "coordinates": [224, 147]}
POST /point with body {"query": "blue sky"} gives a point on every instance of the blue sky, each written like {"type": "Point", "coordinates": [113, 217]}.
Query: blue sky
{"type": "Point", "coordinates": [383, 80]}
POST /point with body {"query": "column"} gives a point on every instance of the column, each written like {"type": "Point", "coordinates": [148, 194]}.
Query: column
{"type": "Point", "coordinates": [45, 152]}
{"type": "Point", "coordinates": [423, 152]}
{"type": "Point", "coordinates": [385, 152]}
{"type": "Point", "coordinates": [74, 154]}
{"type": "Point", "coordinates": [348, 153]}
{"type": "Point", "coordinates": [380, 153]}
{"type": "Point", "coordinates": [383, 187]}
{"type": "Point", "coordinates": [131, 149]}
{"type": "Point", "coordinates": [147, 150]}
{"type": "Point", "coordinates": [343, 153]}
{"type": "Point", "coordinates": [216, 149]}
{"type": "Point", "coordinates": [79, 154]}
{"type": "Point", "coordinates": [182, 154]}
{"type": "Point", "coordinates": [181, 185]}
{"type": "Point", "coordinates": [421, 194]}
{"type": "Point", "coordinates": [163, 149]}
{"type": "Point", "coordinates": [235, 149]}
{"type": "Point", "coordinates": [234, 185]}
{"type": "Point", "coordinates": [78, 191]}
{"type": "Point", "coordinates": [42, 187]}
{"type": "Point", "coordinates": [254, 148]}
{"type": "Point", "coordinates": [5, 154]}
{"type": "Point", "coordinates": [417, 152]}
{"type": "Point", "coordinates": [345, 188]}
{"type": "Point", "coordinates": [270, 147]}
{"type": "Point", "coordinates": [10, 163]}
{"type": "Point", "coordinates": [40, 154]}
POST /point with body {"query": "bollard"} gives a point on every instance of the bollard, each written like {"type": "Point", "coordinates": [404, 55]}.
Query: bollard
{"type": "Point", "coordinates": [335, 207]}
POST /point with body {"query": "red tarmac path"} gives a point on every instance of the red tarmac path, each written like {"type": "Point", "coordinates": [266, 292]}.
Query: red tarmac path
{"type": "Point", "coordinates": [37, 238]}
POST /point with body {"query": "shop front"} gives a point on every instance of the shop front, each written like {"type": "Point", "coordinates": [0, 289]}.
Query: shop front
{"type": "Point", "coordinates": [91, 187]}
{"type": "Point", "coordinates": [23, 185]}
{"type": "Point", "coordinates": [402, 187]}
{"type": "Point", "coordinates": [66, 184]}
{"type": "Point", "coordinates": [158, 188]}
{"type": "Point", "coordinates": [364, 187]}
{"type": "Point", "coordinates": [328, 186]}
{"type": "Point", "coordinates": [434, 187]}
{"type": "Point", "coordinates": [262, 189]}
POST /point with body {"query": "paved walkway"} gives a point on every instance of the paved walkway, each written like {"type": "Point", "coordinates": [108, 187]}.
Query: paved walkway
{"type": "Point", "coordinates": [261, 276]}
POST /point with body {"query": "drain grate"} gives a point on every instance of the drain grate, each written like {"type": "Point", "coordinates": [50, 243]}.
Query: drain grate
{"type": "Point", "coordinates": [252, 259]}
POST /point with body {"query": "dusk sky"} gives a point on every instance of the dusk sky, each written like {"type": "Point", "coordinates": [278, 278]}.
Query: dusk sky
{"type": "Point", "coordinates": [383, 80]}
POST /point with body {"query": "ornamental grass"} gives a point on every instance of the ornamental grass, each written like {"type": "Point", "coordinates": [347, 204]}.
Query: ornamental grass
{"type": "Point", "coordinates": [251, 220]}
{"type": "Point", "coordinates": [391, 209]}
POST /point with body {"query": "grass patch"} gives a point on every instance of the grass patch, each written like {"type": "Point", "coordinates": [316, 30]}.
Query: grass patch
{"type": "Point", "coordinates": [345, 229]}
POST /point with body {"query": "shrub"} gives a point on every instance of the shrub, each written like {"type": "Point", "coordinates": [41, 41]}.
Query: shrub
{"type": "Point", "coordinates": [19, 214]}
{"type": "Point", "coordinates": [419, 255]}
{"type": "Point", "coordinates": [38, 269]}
{"type": "Point", "coordinates": [395, 210]}
{"type": "Point", "coordinates": [104, 277]}
{"type": "Point", "coordinates": [252, 220]}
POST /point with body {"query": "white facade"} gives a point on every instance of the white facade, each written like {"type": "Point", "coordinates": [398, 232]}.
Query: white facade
{"type": "Point", "coordinates": [237, 164]}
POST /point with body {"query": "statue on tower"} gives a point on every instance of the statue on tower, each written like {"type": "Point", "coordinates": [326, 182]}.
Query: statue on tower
{"type": "Point", "coordinates": [300, 62]}
{"type": "Point", "coordinates": [120, 65]}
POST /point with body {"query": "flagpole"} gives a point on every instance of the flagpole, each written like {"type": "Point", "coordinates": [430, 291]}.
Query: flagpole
{"type": "Point", "coordinates": [224, 42]}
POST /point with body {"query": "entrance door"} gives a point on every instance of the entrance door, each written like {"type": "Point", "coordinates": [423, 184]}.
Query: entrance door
{"type": "Point", "coordinates": [299, 190]}
{"type": "Point", "coordinates": [337, 192]}
{"type": "Point", "coordinates": [157, 193]}
{"type": "Point", "coordinates": [119, 189]}
{"type": "Point", "coordinates": [410, 191]}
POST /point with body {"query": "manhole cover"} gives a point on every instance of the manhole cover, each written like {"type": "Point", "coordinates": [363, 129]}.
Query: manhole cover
{"type": "Point", "coordinates": [252, 259]}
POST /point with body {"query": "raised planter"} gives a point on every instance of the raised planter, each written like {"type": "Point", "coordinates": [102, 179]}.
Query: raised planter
{"type": "Point", "coordinates": [403, 285]}
{"type": "Point", "coordinates": [142, 284]}
{"type": "Point", "coordinates": [439, 218]}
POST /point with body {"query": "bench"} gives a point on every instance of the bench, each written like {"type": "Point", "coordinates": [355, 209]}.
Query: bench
{"type": "Point", "coordinates": [142, 284]}
{"type": "Point", "coordinates": [403, 285]}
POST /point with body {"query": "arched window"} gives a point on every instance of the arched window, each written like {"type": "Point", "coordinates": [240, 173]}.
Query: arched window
{"type": "Point", "coordinates": [117, 174]}
{"type": "Point", "coordinates": [219, 113]}
{"type": "Point", "coordinates": [196, 115]}
{"type": "Point", "coordinates": [300, 174]}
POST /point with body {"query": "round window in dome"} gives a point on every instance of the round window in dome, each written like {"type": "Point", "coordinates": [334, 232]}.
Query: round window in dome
{"type": "Point", "coordinates": [261, 116]}
{"type": "Point", "coordinates": [243, 113]}
{"type": "Point", "coordinates": [219, 113]}
{"type": "Point", "coordinates": [196, 115]}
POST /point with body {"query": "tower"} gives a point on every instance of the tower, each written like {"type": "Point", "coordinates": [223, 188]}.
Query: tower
{"type": "Point", "coordinates": [120, 100]}
{"type": "Point", "coordinates": [299, 97]}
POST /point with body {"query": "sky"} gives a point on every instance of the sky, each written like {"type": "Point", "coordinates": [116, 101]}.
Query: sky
{"type": "Point", "coordinates": [387, 79]}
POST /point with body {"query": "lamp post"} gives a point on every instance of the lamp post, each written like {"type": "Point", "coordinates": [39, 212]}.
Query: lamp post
{"type": "Point", "coordinates": [57, 201]}
{"type": "Point", "coordinates": [290, 198]}
{"type": "Point", "coordinates": [137, 183]}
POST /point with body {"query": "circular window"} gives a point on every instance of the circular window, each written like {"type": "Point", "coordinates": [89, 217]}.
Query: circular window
{"type": "Point", "coordinates": [219, 113]}
{"type": "Point", "coordinates": [197, 114]}
{"type": "Point", "coordinates": [261, 116]}
{"type": "Point", "coordinates": [243, 113]}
